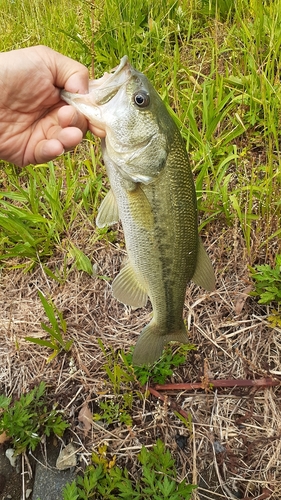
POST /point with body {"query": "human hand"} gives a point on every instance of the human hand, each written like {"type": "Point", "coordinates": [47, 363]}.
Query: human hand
{"type": "Point", "coordinates": [35, 124]}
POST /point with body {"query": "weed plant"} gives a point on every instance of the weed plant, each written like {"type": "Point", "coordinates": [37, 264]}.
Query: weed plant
{"type": "Point", "coordinates": [267, 286]}
{"type": "Point", "coordinates": [27, 420]}
{"type": "Point", "coordinates": [267, 282]}
{"type": "Point", "coordinates": [164, 367]}
{"type": "Point", "coordinates": [121, 372]}
{"type": "Point", "coordinates": [126, 383]}
{"type": "Point", "coordinates": [105, 480]}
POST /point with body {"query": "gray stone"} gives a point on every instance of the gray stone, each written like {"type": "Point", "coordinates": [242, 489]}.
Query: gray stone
{"type": "Point", "coordinates": [49, 482]}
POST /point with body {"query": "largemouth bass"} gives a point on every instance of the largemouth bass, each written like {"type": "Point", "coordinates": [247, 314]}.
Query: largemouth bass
{"type": "Point", "coordinates": [153, 193]}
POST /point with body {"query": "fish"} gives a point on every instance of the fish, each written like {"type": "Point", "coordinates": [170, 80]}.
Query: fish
{"type": "Point", "coordinates": [153, 194]}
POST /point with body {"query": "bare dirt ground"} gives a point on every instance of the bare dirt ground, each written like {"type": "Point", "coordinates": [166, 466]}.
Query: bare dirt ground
{"type": "Point", "coordinates": [233, 447]}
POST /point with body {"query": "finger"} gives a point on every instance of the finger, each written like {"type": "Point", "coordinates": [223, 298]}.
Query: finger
{"type": "Point", "coordinates": [64, 140]}
{"type": "Point", "coordinates": [99, 132]}
{"type": "Point", "coordinates": [68, 116]}
{"type": "Point", "coordinates": [46, 150]}
{"type": "Point", "coordinates": [77, 82]}
{"type": "Point", "coordinates": [67, 73]}
{"type": "Point", "coordinates": [69, 137]}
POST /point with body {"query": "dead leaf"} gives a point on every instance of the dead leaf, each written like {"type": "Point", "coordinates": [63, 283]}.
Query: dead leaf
{"type": "Point", "coordinates": [86, 417]}
{"type": "Point", "coordinates": [3, 437]}
{"type": "Point", "coordinates": [242, 297]}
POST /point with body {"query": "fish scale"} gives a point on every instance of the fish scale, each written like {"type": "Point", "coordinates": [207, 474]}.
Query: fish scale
{"type": "Point", "coordinates": [153, 194]}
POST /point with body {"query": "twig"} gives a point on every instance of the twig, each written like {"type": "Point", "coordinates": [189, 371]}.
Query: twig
{"type": "Point", "coordinates": [173, 405]}
{"type": "Point", "coordinates": [22, 476]}
{"type": "Point", "coordinates": [208, 384]}
{"type": "Point", "coordinates": [28, 465]}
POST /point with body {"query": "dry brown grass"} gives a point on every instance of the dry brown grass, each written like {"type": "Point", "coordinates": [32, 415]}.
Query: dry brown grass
{"type": "Point", "coordinates": [235, 440]}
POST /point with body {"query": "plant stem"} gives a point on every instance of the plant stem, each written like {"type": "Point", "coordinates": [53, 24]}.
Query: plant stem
{"type": "Point", "coordinates": [207, 384]}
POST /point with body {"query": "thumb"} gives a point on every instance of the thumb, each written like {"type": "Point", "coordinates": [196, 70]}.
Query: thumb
{"type": "Point", "coordinates": [67, 73]}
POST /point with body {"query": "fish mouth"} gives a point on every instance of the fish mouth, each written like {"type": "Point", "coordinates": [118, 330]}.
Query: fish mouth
{"type": "Point", "coordinates": [101, 91]}
{"type": "Point", "coordinates": [107, 86]}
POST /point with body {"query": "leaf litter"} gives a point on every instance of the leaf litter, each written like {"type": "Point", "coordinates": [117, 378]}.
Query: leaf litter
{"type": "Point", "coordinates": [230, 446]}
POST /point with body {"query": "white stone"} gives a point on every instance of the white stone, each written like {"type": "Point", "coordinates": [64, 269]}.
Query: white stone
{"type": "Point", "coordinates": [67, 458]}
{"type": "Point", "coordinates": [10, 455]}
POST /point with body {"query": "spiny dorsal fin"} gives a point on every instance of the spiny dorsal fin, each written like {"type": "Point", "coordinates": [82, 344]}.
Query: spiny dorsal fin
{"type": "Point", "coordinates": [204, 274]}
{"type": "Point", "coordinates": [127, 289]}
{"type": "Point", "coordinates": [108, 211]}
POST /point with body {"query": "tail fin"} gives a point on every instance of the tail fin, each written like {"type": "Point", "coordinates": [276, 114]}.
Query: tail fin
{"type": "Point", "coordinates": [151, 342]}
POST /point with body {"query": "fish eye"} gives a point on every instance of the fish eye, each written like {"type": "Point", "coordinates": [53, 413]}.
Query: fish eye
{"type": "Point", "coordinates": [142, 99]}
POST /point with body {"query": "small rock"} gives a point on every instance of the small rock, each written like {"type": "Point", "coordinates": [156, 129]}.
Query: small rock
{"type": "Point", "coordinates": [218, 447]}
{"type": "Point", "coordinates": [10, 455]}
{"type": "Point", "coordinates": [28, 493]}
{"type": "Point", "coordinates": [181, 441]}
{"type": "Point", "coordinates": [67, 458]}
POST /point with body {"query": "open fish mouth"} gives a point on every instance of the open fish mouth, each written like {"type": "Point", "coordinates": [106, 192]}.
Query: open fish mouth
{"type": "Point", "coordinates": [107, 86]}
{"type": "Point", "coordinates": [101, 91]}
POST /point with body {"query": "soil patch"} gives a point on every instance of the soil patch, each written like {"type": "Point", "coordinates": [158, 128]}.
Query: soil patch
{"type": "Point", "coordinates": [232, 448]}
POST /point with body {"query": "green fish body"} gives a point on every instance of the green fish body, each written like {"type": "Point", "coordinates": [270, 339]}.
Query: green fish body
{"type": "Point", "coordinates": [152, 193]}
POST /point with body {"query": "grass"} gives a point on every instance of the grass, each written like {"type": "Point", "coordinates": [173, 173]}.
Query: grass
{"type": "Point", "coordinates": [41, 203]}
{"type": "Point", "coordinates": [219, 73]}
{"type": "Point", "coordinates": [217, 65]}
{"type": "Point", "coordinates": [56, 330]}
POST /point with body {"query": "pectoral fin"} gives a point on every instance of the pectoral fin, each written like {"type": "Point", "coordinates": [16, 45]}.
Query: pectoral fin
{"type": "Point", "coordinates": [204, 274]}
{"type": "Point", "coordinates": [108, 213]}
{"type": "Point", "coordinates": [127, 289]}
